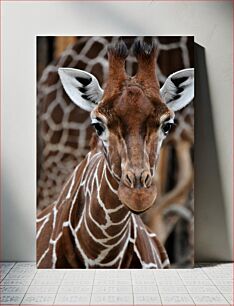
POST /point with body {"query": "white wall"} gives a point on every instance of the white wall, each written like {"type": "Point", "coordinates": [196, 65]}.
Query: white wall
{"type": "Point", "coordinates": [210, 23]}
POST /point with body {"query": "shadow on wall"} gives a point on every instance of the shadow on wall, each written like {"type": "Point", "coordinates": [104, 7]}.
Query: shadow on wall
{"type": "Point", "coordinates": [211, 231]}
{"type": "Point", "coordinates": [112, 15]}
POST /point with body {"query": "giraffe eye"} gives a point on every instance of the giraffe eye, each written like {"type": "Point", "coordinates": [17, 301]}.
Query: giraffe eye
{"type": "Point", "coordinates": [99, 128]}
{"type": "Point", "coordinates": [166, 127]}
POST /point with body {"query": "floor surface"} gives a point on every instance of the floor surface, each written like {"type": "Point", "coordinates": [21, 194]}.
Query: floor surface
{"type": "Point", "coordinates": [206, 284]}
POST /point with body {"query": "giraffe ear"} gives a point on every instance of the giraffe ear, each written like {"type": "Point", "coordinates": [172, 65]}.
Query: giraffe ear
{"type": "Point", "coordinates": [178, 90]}
{"type": "Point", "coordinates": [82, 87]}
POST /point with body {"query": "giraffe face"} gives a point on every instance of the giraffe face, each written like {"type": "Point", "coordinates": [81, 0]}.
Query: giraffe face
{"type": "Point", "coordinates": [131, 127]}
{"type": "Point", "coordinates": [131, 116]}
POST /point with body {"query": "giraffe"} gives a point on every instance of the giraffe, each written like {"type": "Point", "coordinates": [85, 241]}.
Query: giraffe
{"type": "Point", "coordinates": [94, 223]}
{"type": "Point", "coordinates": [64, 133]}
{"type": "Point", "coordinates": [63, 129]}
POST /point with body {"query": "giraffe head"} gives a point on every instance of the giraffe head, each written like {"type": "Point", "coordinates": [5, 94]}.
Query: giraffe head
{"type": "Point", "coordinates": [132, 116]}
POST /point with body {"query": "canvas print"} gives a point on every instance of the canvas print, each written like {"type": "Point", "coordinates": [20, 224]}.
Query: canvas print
{"type": "Point", "coordinates": [115, 152]}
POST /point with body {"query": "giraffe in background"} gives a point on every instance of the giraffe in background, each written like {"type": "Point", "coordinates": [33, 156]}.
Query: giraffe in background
{"type": "Point", "coordinates": [64, 130]}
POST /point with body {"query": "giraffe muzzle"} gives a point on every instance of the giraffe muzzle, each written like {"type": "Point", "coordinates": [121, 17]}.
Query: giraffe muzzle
{"type": "Point", "coordinates": [137, 199]}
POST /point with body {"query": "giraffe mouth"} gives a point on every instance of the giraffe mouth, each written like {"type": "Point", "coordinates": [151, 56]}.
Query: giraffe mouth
{"type": "Point", "coordinates": [137, 212]}
{"type": "Point", "coordinates": [137, 200]}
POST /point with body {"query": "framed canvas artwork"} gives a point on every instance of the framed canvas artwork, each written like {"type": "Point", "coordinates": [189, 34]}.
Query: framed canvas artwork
{"type": "Point", "coordinates": [115, 122]}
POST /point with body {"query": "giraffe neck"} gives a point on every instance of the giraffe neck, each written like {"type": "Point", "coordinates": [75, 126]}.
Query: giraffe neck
{"type": "Point", "coordinates": [103, 230]}
{"type": "Point", "coordinates": [89, 227]}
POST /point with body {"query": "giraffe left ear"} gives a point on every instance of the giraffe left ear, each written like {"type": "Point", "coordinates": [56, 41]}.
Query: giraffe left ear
{"type": "Point", "coordinates": [82, 87]}
{"type": "Point", "coordinates": [178, 90]}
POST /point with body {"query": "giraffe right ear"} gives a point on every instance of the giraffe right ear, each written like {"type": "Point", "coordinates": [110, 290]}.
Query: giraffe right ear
{"type": "Point", "coordinates": [178, 90]}
{"type": "Point", "coordinates": [82, 87]}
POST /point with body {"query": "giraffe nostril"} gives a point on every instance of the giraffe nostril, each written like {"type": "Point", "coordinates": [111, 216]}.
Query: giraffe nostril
{"type": "Point", "coordinates": [146, 179]}
{"type": "Point", "coordinates": [129, 179]}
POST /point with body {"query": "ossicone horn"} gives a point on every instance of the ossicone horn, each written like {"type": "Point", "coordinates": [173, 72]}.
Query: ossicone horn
{"type": "Point", "coordinates": [146, 55]}
{"type": "Point", "coordinates": [117, 55]}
